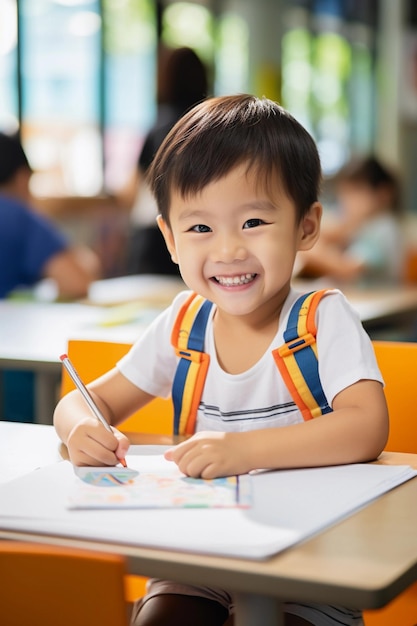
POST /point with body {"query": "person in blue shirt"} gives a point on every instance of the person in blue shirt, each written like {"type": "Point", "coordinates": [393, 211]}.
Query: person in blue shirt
{"type": "Point", "coordinates": [31, 249]}
{"type": "Point", "coordinates": [31, 246]}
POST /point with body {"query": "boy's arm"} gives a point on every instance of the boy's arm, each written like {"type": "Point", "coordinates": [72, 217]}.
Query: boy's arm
{"type": "Point", "coordinates": [354, 432]}
{"type": "Point", "coordinates": [88, 442]}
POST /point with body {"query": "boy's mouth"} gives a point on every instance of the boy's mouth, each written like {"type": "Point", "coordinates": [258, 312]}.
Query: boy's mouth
{"type": "Point", "coordinates": [234, 281]}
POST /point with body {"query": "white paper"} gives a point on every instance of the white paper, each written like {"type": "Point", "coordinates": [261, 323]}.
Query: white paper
{"type": "Point", "coordinates": [288, 506]}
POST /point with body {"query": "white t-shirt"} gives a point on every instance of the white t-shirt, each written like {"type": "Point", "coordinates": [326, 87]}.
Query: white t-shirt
{"type": "Point", "coordinates": [257, 398]}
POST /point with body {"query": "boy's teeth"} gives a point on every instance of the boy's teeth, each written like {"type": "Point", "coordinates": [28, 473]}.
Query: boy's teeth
{"type": "Point", "coordinates": [235, 280]}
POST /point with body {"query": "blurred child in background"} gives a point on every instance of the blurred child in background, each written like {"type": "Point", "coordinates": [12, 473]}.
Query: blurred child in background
{"type": "Point", "coordinates": [365, 244]}
{"type": "Point", "coordinates": [31, 247]}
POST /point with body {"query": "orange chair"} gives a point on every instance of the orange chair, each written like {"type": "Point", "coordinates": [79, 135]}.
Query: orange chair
{"type": "Point", "coordinates": [397, 361]}
{"type": "Point", "coordinates": [49, 585]}
{"type": "Point", "coordinates": [410, 266]}
{"type": "Point", "coordinates": [92, 359]}
{"type": "Point", "coordinates": [398, 364]}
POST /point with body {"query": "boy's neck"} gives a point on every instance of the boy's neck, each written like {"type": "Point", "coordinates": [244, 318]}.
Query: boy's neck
{"type": "Point", "coordinates": [241, 341]}
{"type": "Point", "coordinates": [264, 317]}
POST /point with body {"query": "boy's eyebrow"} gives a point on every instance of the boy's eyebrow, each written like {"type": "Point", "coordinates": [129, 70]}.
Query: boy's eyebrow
{"type": "Point", "coordinates": [255, 205]}
{"type": "Point", "coordinates": [192, 214]}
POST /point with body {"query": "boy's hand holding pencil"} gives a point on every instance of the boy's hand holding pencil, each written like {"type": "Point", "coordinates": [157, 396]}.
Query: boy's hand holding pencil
{"type": "Point", "coordinates": [88, 442]}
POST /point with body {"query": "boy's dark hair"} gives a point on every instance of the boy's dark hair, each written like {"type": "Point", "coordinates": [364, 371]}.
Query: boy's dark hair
{"type": "Point", "coordinates": [221, 133]}
{"type": "Point", "coordinates": [371, 172]}
{"type": "Point", "coordinates": [12, 157]}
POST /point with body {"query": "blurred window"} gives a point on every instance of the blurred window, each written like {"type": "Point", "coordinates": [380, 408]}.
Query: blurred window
{"type": "Point", "coordinates": [329, 75]}
{"type": "Point", "coordinates": [9, 113]}
{"type": "Point", "coordinates": [78, 75]}
{"type": "Point", "coordinates": [232, 55]}
{"type": "Point", "coordinates": [189, 24]}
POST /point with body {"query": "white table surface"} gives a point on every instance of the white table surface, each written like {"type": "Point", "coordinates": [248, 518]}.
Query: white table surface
{"type": "Point", "coordinates": [33, 335]}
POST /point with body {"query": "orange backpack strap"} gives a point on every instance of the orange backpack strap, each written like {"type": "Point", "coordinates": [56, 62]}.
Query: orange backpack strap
{"type": "Point", "coordinates": [188, 340]}
{"type": "Point", "coordinates": [297, 357]}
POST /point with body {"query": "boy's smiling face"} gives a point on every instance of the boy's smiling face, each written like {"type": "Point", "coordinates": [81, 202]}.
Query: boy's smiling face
{"type": "Point", "coordinates": [236, 243]}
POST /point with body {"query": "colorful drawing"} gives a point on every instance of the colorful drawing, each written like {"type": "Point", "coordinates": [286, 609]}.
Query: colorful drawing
{"type": "Point", "coordinates": [112, 477]}
{"type": "Point", "coordinates": [156, 490]}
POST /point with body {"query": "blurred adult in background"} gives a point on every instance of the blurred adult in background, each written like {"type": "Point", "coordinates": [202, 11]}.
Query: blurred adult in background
{"type": "Point", "coordinates": [182, 82]}
{"type": "Point", "coordinates": [365, 244]}
{"type": "Point", "coordinates": [31, 247]}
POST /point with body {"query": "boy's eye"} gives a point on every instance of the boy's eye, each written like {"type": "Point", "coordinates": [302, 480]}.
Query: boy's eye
{"type": "Point", "coordinates": [200, 228]}
{"type": "Point", "coordinates": [252, 223]}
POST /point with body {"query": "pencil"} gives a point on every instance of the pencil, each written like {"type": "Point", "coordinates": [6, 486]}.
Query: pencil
{"type": "Point", "coordinates": [86, 395]}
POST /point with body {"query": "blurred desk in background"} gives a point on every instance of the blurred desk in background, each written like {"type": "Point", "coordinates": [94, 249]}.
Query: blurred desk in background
{"type": "Point", "coordinates": [152, 289]}
{"type": "Point", "coordinates": [33, 335]}
{"type": "Point", "coordinates": [385, 312]}
{"type": "Point", "coordinates": [392, 310]}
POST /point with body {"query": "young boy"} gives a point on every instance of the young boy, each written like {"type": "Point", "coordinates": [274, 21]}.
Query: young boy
{"type": "Point", "coordinates": [236, 182]}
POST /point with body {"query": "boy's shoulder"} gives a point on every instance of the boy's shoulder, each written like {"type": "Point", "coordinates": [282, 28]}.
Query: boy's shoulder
{"type": "Point", "coordinates": [305, 295]}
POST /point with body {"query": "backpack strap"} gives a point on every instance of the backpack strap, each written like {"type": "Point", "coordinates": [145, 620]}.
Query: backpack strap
{"type": "Point", "coordinates": [297, 357]}
{"type": "Point", "coordinates": [188, 340]}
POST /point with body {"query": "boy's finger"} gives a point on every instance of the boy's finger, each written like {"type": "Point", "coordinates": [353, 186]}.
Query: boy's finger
{"type": "Point", "coordinates": [169, 454]}
{"type": "Point", "coordinates": [177, 452]}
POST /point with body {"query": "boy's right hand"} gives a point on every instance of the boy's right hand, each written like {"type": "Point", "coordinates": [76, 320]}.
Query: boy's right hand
{"type": "Point", "coordinates": [89, 443]}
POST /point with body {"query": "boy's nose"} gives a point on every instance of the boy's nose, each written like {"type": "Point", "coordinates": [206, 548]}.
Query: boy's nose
{"type": "Point", "coordinates": [230, 248]}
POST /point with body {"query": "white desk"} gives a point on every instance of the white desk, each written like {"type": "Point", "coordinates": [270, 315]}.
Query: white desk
{"type": "Point", "coordinates": [33, 335]}
{"type": "Point", "coordinates": [385, 307]}
{"type": "Point", "coordinates": [25, 447]}
{"type": "Point", "coordinates": [364, 561]}
{"type": "Point", "coordinates": [378, 306]}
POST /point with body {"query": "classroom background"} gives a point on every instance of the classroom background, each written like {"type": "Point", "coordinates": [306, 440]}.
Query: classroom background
{"type": "Point", "coordinates": [78, 79]}
{"type": "Point", "coordinates": [80, 83]}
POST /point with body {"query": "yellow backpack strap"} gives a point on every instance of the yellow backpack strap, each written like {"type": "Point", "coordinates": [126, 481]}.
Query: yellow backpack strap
{"type": "Point", "coordinates": [188, 340]}
{"type": "Point", "coordinates": [297, 357]}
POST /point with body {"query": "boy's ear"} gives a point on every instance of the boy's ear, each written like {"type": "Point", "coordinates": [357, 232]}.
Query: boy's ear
{"type": "Point", "coordinates": [168, 236]}
{"type": "Point", "coordinates": [310, 227]}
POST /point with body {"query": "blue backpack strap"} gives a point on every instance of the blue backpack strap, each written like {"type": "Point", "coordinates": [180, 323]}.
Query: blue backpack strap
{"type": "Point", "coordinates": [188, 340]}
{"type": "Point", "coordinates": [297, 357]}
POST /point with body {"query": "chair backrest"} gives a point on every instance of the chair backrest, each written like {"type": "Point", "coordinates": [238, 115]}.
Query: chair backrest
{"type": "Point", "coordinates": [94, 358]}
{"type": "Point", "coordinates": [410, 266]}
{"type": "Point", "coordinates": [48, 585]}
{"type": "Point", "coordinates": [398, 364]}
